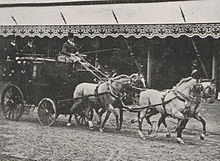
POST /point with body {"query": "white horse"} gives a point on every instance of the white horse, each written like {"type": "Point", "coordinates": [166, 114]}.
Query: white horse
{"type": "Point", "coordinates": [176, 103]}
{"type": "Point", "coordinates": [207, 94]}
{"type": "Point", "coordinates": [101, 96]}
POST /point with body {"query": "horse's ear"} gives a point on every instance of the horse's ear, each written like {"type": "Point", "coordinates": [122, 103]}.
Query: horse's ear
{"type": "Point", "coordinates": [213, 81]}
{"type": "Point", "coordinates": [114, 75]}
{"type": "Point", "coordinates": [110, 80]}
{"type": "Point", "coordinates": [131, 76]}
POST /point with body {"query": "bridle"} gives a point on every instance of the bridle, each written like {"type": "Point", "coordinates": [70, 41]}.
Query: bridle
{"type": "Point", "coordinates": [114, 92]}
{"type": "Point", "coordinates": [209, 87]}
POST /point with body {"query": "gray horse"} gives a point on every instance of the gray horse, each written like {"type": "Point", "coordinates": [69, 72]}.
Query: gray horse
{"type": "Point", "coordinates": [207, 95]}
{"type": "Point", "coordinates": [176, 104]}
{"type": "Point", "coordinates": [101, 96]}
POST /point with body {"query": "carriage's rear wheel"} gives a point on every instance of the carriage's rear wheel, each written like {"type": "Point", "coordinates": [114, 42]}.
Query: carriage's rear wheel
{"type": "Point", "coordinates": [12, 103]}
{"type": "Point", "coordinates": [81, 117]}
{"type": "Point", "coordinates": [47, 113]}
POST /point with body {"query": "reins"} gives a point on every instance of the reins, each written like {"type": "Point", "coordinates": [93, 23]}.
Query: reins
{"type": "Point", "coordinates": [143, 107]}
{"type": "Point", "coordinates": [138, 88]}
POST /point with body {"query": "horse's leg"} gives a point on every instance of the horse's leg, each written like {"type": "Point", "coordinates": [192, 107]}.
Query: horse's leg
{"type": "Point", "coordinates": [180, 127]}
{"type": "Point", "coordinates": [163, 120]}
{"type": "Point", "coordinates": [76, 104]}
{"type": "Point", "coordinates": [87, 110]}
{"type": "Point", "coordinates": [99, 115]}
{"type": "Point", "coordinates": [69, 120]}
{"type": "Point", "coordinates": [113, 110]}
{"type": "Point", "coordinates": [121, 118]}
{"type": "Point", "coordinates": [147, 117]}
{"type": "Point", "coordinates": [141, 116]}
{"type": "Point", "coordinates": [103, 123]}
{"type": "Point", "coordinates": [199, 118]}
{"type": "Point", "coordinates": [168, 133]}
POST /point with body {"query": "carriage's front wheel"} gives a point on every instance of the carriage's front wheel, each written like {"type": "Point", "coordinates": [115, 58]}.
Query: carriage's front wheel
{"type": "Point", "coordinates": [81, 117]}
{"type": "Point", "coordinates": [12, 103]}
{"type": "Point", "coordinates": [47, 113]}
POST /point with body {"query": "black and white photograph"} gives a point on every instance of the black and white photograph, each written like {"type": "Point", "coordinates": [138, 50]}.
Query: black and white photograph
{"type": "Point", "coordinates": [110, 80]}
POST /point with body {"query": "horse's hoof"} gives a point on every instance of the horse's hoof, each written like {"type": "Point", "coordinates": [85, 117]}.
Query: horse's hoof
{"type": "Point", "coordinates": [143, 138]}
{"type": "Point", "coordinates": [168, 135]}
{"type": "Point", "coordinates": [118, 129]}
{"type": "Point", "coordinates": [202, 136]}
{"type": "Point", "coordinates": [141, 135]}
{"type": "Point", "coordinates": [180, 141]}
{"type": "Point", "coordinates": [154, 136]}
{"type": "Point", "coordinates": [150, 131]}
{"type": "Point", "coordinates": [68, 124]}
{"type": "Point", "coordinates": [91, 128]}
{"type": "Point", "coordinates": [101, 130]}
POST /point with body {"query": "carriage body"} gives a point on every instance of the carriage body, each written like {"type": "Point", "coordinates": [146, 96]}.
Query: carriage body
{"type": "Point", "coordinates": [35, 80]}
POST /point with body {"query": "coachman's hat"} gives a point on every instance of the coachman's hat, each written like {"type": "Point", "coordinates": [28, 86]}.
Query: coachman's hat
{"type": "Point", "coordinates": [30, 39]}
{"type": "Point", "coordinates": [70, 35]}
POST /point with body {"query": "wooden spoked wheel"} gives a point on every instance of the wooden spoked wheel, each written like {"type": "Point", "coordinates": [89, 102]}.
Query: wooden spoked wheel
{"type": "Point", "coordinates": [81, 117]}
{"type": "Point", "coordinates": [12, 103]}
{"type": "Point", "coordinates": [47, 113]}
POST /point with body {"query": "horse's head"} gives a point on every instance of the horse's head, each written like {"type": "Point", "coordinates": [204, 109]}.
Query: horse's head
{"type": "Point", "coordinates": [190, 87]}
{"type": "Point", "coordinates": [209, 91]}
{"type": "Point", "coordinates": [186, 84]}
{"type": "Point", "coordinates": [120, 83]}
{"type": "Point", "coordinates": [137, 80]}
{"type": "Point", "coordinates": [123, 84]}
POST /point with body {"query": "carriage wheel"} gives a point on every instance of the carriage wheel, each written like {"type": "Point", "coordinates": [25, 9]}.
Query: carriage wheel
{"type": "Point", "coordinates": [47, 112]}
{"type": "Point", "coordinates": [12, 103]}
{"type": "Point", "coordinates": [81, 117]}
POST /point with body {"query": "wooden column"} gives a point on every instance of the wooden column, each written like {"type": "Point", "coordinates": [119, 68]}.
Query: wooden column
{"type": "Point", "coordinates": [217, 67]}
{"type": "Point", "coordinates": [149, 63]}
{"type": "Point", "coordinates": [214, 65]}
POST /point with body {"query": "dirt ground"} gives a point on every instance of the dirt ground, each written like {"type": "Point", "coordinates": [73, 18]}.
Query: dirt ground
{"type": "Point", "coordinates": [27, 140]}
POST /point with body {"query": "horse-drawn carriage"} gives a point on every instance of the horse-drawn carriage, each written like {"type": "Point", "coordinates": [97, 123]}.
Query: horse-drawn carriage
{"type": "Point", "coordinates": [44, 83]}
{"type": "Point", "coordinates": [49, 85]}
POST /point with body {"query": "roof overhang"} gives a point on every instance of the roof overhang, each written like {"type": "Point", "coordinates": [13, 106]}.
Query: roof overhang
{"type": "Point", "coordinates": [202, 18]}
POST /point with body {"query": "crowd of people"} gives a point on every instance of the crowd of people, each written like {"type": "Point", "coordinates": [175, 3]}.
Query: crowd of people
{"type": "Point", "coordinates": [12, 50]}
{"type": "Point", "coordinates": [29, 49]}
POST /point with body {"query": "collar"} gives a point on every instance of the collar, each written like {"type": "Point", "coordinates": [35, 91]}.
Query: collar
{"type": "Point", "coordinates": [181, 96]}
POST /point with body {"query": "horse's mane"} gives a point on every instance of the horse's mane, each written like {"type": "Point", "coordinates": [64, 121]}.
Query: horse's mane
{"type": "Point", "coordinates": [121, 77]}
{"type": "Point", "coordinates": [183, 80]}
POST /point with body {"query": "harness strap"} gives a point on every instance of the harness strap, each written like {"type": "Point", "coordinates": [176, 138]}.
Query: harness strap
{"type": "Point", "coordinates": [140, 89]}
{"type": "Point", "coordinates": [163, 104]}
{"type": "Point", "coordinates": [183, 97]}
{"type": "Point", "coordinates": [96, 93]}
{"type": "Point", "coordinates": [143, 107]}
{"type": "Point", "coordinates": [113, 94]}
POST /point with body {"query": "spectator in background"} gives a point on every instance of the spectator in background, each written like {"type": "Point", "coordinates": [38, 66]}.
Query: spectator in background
{"type": "Point", "coordinates": [12, 49]}
{"type": "Point", "coordinates": [29, 48]}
